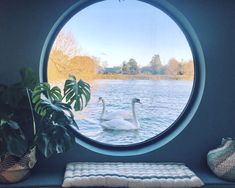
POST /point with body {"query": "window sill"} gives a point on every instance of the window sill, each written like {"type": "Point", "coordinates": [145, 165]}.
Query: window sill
{"type": "Point", "coordinates": [45, 178]}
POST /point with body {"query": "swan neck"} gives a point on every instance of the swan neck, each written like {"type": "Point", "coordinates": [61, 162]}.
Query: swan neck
{"type": "Point", "coordinates": [134, 115]}
{"type": "Point", "coordinates": [103, 110]}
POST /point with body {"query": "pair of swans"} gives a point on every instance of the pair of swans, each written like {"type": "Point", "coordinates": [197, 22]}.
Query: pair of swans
{"type": "Point", "coordinates": [119, 120]}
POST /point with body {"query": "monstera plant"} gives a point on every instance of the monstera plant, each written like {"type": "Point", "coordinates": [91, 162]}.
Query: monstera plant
{"type": "Point", "coordinates": [57, 121]}
{"type": "Point", "coordinates": [49, 110]}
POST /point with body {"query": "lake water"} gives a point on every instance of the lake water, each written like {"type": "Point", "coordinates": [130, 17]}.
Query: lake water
{"type": "Point", "coordinates": [162, 103]}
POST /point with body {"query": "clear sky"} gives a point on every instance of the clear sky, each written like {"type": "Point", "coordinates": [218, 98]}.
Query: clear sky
{"type": "Point", "coordinates": [116, 31]}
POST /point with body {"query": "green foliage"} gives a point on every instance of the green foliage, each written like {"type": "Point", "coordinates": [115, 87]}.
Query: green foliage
{"type": "Point", "coordinates": [125, 67]}
{"type": "Point", "coordinates": [131, 67]}
{"type": "Point", "coordinates": [56, 119]}
{"type": "Point", "coordinates": [53, 106]}
{"type": "Point", "coordinates": [55, 139]}
{"type": "Point", "coordinates": [14, 112]}
{"type": "Point", "coordinates": [172, 69]}
{"type": "Point", "coordinates": [155, 64]}
{"type": "Point", "coordinates": [40, 92]}
{"type": "Point", "coordinates": [28, 78]}
{"type": "Point", "coordinates": [12, 140]}
{"type": "Point", "coordinates": [13, 98]}
{"type": "Point", "coordinates": [54, 134]}
{"type": "Point", "coordinates": [77, 93]}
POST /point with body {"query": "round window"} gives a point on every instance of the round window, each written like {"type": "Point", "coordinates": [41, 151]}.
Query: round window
{"type": "Point", "coordinates": [139, 64]}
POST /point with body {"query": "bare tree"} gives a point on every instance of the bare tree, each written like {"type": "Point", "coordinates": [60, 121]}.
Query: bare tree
{"type": "Point", "coordinates": [65, 43]}
{"type": "Point", "coordinates": [188, 68]}
{"type": "Point", "coordinates": [173, 67]}
{"type": "Point", "coordinates": [63, 50]}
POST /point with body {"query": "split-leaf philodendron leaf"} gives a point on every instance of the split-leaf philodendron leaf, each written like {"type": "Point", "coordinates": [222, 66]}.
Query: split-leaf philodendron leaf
{"type": "Point", "coordinates": [77, 93]}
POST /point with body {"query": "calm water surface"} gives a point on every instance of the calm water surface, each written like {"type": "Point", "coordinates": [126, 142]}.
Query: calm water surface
{"type": "Point", "coordinates": [162, 103]}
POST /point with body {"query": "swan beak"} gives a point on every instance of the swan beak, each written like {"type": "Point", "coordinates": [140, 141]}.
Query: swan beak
{"type": "Point", "coordinates": [99, 100]}
{"type": "Point", "coordinates": [138, 101]}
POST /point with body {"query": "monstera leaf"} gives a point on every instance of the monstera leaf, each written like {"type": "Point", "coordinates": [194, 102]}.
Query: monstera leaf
{"type": "Point", "coordinates": [48, 107]}
{"type": "Point", "coordinates": [76, 93]}
{"type": "Point", "coordinates": [43, 92]}
{"type": "Point", "coordinates": [53, 135]}
{"type": "Point", "coordinates": [12, 140]}
{"type": "Point", "coordinates": [55, 139]}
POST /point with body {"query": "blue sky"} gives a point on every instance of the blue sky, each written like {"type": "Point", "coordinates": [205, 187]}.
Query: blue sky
{"type": "Point", "coordinates": [116, 31]}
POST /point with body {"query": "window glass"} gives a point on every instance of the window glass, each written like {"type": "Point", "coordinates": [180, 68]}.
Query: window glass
{"type": "Point", "coordinates": [139, 65]}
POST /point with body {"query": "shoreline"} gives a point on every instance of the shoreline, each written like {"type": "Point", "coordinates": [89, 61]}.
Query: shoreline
{"type": "Point", "coordinates": [144, 77]}
{"type": "Point", "coordinates": [125, 77]}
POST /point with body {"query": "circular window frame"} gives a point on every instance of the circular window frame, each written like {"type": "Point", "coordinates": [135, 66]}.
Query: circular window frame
{"type": "Point", "coordinates": [189, 110]}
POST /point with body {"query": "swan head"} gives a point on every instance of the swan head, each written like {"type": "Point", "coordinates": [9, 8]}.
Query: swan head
{"type": "Point", "coordinates": [136, 100]}
{"type": "Point", "coordinates": [100, 99]}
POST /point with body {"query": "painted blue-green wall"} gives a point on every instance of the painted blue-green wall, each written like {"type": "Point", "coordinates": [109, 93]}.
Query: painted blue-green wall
{"type": "Point", "coordinates": [24, 26]}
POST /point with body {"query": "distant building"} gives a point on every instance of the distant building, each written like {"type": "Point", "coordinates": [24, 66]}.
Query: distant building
{"type": "Point", "coordinates": [112, 70]}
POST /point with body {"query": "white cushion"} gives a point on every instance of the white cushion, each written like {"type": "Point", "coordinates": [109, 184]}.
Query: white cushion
{"type": "Point", "coordinates": [136, 175]}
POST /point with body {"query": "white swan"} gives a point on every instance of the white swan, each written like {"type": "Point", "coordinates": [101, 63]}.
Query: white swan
{"type": "Point", "coordinates": [120, 114]}
{"type": "Point", "coordinates": [120, 123]}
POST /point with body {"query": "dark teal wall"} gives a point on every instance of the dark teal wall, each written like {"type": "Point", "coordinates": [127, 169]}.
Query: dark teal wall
{"type": "Point", "coordinates": [24, 26]}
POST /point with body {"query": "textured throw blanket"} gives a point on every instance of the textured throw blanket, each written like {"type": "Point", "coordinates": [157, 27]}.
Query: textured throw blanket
{"type": "Point", "coordinates": [136, 175]}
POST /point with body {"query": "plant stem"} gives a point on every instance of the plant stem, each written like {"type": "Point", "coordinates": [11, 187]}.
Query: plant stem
{"type": "Point", "coordinates": [31, 108]}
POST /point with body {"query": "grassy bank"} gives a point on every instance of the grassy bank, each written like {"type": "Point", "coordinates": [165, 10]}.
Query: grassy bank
{"type": "Point", "coordinates": [143, 77]}
{"type": "Point", "coordinates": [88, 78]}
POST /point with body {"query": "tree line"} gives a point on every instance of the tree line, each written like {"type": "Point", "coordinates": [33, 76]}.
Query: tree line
{"type": "Point", "coordinates": [155, 67]}
{"type": "Point", "coordinates": [64, 59]}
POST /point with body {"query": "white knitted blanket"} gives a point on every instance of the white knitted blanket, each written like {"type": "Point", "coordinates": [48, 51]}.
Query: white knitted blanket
{"type": "Point", "coordinates": [133, 175]}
